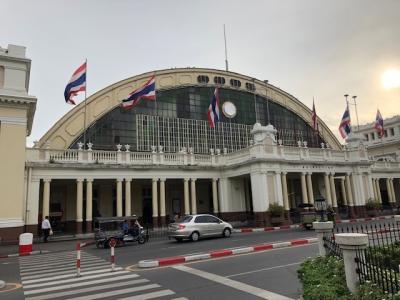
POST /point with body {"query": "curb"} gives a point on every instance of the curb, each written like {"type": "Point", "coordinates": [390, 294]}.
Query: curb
{"type": "Point", "coordinates": [25, 254]}
{"type": "Point", "coordinates": [221, 253]}
{"type": "Point", "coordinates": [260, 229]}
{"type": "Point", "coordinates": [85, 244]}
{"type": "Point", "coordinates": [365, 219]}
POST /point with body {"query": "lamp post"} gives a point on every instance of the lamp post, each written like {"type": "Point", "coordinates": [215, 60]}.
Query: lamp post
{"type": "Point", "coordinates": [320, 206]}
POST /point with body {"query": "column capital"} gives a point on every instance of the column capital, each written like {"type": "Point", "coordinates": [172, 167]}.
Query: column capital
{"type": "Point", "coordinates": [80, 180]}
{"type": "Point", "coordinates": [327, 173]}
{"type": "Point", "coordinates": [186, 179]}
{"type": "Point", "coordinates": [309, 173]}
{"type": "Point", "coordinates": [46, 179]}
{"type": "Point", "coordinates": [89, 179]}
{"type": "Point", "coordinates": [163, 179]}
{"type": "Point", "coordinates": [348, 173]}
{"type": "Point", "coordinates": [303, 173]}
{"type": "Point", "coordinates": [155, 179]}
{"type": "Point", "coordinates": [119, 179]}
{"type": "Point", "coordinates": [128, 179]}
{"type": "Point", "coordinates": [214, 179]}
{"type": "Point", "coordinates": [277, 171]}
{"type": "Point", "coordinates": [193, 179]}
{"type": "Point", "coordinates": [35, 179]}
{"type": "Point", "coordinates": [284, 173]}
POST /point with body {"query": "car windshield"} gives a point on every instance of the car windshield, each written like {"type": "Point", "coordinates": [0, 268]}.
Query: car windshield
{"type": "Point", "coordinates": [185, 219]}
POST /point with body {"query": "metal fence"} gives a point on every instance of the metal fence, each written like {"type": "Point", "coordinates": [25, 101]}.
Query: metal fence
{"type": "Point", "coordinates": [379, 263]}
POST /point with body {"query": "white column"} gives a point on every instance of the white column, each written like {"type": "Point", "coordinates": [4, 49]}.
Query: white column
{"type": "Point", "coordinates": [348, 191]}
{"type": "Point", "coordinates": [32, 209]}
{"type": "Point", "coordinates": [327, 189]}
{"type": "Point", "coordinates": [193, 196]}
{"type": "Point", "coordinates": [392, 190]}
{"type": "Point", "coordinates": [128, 209]}
{"type": "Point", "coordinates": [370, 186]}
{"type": "Point", "coordinates": [259, 190]}
{"type": "Point", "coordinates": [285, 192]}
{"type": "Point", "coordinates": [304, 187]}
{"type": "Point", "coordinates": [186, 195]}
{"type": "Point", "coordinates": [215, 195]}
{"type": "Point", "coordinates": [46, 198]}
{"type": "Point", "coordinates": [389, 190]}
{"type": "Point", "coordinates": [378, 190]}
{"type": "Point", "coordinates": [278, 188]}
{"type": "Point", "coordinates": [224, 196]}
{"type": "Point", "coordinates": [119, 197]}
{"type": "Point", "coordinates": [155, 198]}
{"type": "Point", "coordinates": [333, 190]}
{"type": "Point", "coordinates": [79, 200]}
{"type": "Point", "coordinates": [343, 191]}
{"type": "Point", "coordinates": [162, 197]}
{"type": "Point", "coordinates": [310, 189]}
{"type": "Point", "coordinates": [374, 189]}
{"type": "Point", "coordinates": [89, 199]}
{"type": "Point", "coordinates": [359, 189]}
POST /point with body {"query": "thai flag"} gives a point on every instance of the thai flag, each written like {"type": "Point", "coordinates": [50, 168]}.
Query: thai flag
{"type": "Point", "coordinates": [76, 84]}
{"type": "Point", "coordinates": [379, 124]}
{"type": "Point", "coordinates": [314, 117]}
{"type": "Point", "coordinates": [344, 127]}
{"type": "Point", "coordinates": [147, 91]}
{"type": "Point", "coordinates": [213, 109]}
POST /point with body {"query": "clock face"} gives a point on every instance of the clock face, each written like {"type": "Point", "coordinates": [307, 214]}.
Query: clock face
{"type": "Point", "coordinates": [229, 109]}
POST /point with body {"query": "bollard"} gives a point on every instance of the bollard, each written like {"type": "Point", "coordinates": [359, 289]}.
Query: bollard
{"type": "Point", "coordinates": [349, 243]}
{"type": "Point", "coordinates": [78, 260]}
{"type": "Point", "coordinates": [25, 243]}
{"type": "Point", "coordinates": [321, 228]}
{"type": "Point", "coordinates": [112, 259]}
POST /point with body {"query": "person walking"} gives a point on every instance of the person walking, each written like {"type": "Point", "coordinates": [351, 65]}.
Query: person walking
{"type": "Point", "coordinates": [46, 228]}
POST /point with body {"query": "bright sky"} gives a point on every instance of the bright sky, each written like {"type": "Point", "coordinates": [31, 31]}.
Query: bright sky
{"type": "Point", "coordinates": [308, 48]}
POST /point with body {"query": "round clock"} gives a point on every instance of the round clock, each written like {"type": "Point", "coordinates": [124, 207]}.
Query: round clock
{"type": "Point", "coordinates": [229, 109]}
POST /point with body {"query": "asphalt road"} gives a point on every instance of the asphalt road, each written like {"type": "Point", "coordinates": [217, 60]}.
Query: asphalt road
{"type": "Point", "coordinates": [132, 253]}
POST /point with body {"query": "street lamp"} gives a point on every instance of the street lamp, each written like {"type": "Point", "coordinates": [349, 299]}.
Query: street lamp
{"type": "Point", "coordinates": [321, 207]}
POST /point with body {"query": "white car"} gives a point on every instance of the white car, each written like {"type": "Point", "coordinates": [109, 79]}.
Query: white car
{"type": "Point", "coordinates": [197, 226]}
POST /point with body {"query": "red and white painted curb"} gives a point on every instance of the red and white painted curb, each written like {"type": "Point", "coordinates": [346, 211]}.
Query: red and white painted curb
{"type": "Point", "coordinates": [220, 253]}
{"type": "Point", "coordinates": [260, 229]}
{"type": "Point", "coordinates": [365, 219]}
{"type": "Point", "coordinates": [25, 254]}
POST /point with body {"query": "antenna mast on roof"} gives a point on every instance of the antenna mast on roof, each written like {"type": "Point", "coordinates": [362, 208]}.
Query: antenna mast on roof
{"type": "Point", "coordinates": [226, 52]}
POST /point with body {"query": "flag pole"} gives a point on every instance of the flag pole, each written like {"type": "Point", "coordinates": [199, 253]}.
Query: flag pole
{"type": "Point", "coordinates": [226, 52]}
{"type": "Point", "coordinates": [84, 121]}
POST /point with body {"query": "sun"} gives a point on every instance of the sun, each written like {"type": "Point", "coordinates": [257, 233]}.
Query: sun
{"type": "Point", "coordinates": [391, 79]}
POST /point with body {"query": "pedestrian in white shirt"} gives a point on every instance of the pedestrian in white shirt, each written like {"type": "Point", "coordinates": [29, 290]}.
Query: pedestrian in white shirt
{"type": "Point", "coordinates": [46, 227]}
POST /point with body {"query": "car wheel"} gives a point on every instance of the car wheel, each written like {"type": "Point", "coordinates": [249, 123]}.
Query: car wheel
{"type": "Point", "coordinates": [194, 236]}
{"type": "Point", "coordinates": [141, 240]}
{"type": "Point", "coordinates": [178, 240]}
{"type": "Point", "coordinates": [226, 233]}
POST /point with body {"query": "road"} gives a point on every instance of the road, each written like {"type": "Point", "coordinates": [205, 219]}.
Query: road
{"type": "Point", "coordinates": [263, 275]}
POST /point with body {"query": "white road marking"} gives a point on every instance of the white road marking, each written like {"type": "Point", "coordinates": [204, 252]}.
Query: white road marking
{"type": "Point", "coordinates": [87, 290]}
{"type": "Point", "coordinates": [264, 269]}
{"type": "Point", "coordinates": [64, 267]}
{"type": "Point", "coordinates": [106, 271]}
{"type": "Point", "coordinates": [45, 262]}
{"type": "Point", "coordinates": [180, 298]}
{"type": "Point", "coordinates": [151, 295]}
{"type": "Point", "coordinates": [78, 284]}
{"type": "Point", "coordinates": [66, 272]}
{"type": "Point", "coordinates": [117, 292]}
{"type": "Point", "coordinates": [233, 284]}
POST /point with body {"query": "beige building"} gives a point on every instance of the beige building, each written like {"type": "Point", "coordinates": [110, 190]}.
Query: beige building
{"type": "Point", "coordinates": [162, 158]}
{"type": "Point", "coordinates": [387, 147]}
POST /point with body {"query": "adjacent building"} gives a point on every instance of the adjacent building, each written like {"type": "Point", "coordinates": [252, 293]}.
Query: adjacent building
{"type": "Point", "coordinates": [161, 158]}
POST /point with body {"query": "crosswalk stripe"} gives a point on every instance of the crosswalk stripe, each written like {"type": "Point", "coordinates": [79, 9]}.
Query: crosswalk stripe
{"type": "Point", "coordinates": [89, 289]}
{"type": "Point", "coordinates": [71, 270]}
{"type": "Point", "coordinates": [48, 257]}
{"type": "Point", "coordinates": [44, 263]}
{"type": "Point", "coordinates": [73, 275]}
{"type": "Point", "coordinates": [152, 295]}
{"type": "Point", "coordinates": [84, 265]}
{"type": "Point", "coordinates": [78, 284]}
{"type": "Point", "coordinates": [117, 292]}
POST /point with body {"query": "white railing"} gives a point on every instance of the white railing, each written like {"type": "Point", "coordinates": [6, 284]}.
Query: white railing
{"type": "Point", "coordinates": [282, 153]}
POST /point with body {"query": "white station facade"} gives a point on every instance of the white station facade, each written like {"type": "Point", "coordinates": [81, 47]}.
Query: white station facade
{"type": "Point", "coordinates": [161, 158]}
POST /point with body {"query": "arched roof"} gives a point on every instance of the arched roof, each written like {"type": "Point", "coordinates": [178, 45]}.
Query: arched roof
{"type": "Point", "coordinates": [63, 133]}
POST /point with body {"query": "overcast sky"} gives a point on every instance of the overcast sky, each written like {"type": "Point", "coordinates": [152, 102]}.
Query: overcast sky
{"type": "Point", "coordinates": [309, 48]}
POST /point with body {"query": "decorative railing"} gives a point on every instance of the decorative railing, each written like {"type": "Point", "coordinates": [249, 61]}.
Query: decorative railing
{"type": "Point", "coordinates": [215, 158]}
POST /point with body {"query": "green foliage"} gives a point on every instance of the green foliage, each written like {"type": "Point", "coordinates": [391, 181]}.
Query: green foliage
{"type": "Point", "coordinates": [370, 291]}
{"type": "Point", "coordinates": [372, 204]}
{"type": "Point", "coordinates": [324, 278]}
{"type": "Point", "coordinates": [385, 256]}
{"type": "Point", "coordinates": [275, 209]}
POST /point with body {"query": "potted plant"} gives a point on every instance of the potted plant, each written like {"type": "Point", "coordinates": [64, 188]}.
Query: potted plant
{"type": "Point", "coordinates": [372, 207]}
{"type": "Point", "coordinates": [276, 213]}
